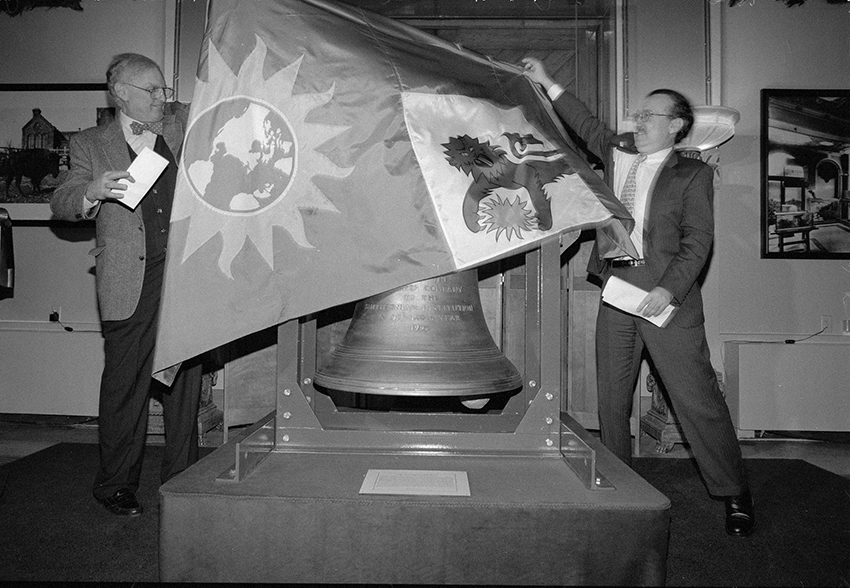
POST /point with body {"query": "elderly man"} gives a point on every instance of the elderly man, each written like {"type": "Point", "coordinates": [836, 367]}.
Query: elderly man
{"type": "Point", "coordinates": [670, 198]}
{"type": "Point", "coordinates": [130, 258]}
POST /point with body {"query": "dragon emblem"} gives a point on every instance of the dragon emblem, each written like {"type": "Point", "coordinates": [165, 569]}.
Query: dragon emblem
{"type": "Point", "coordinates": [491, 167]}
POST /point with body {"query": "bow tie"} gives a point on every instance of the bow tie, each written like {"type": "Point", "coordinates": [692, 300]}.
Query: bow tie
{"type": "Point", "coordinates": [139, 128]}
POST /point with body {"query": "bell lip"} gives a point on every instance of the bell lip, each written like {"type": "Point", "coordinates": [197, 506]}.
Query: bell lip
{"type": "Point", "coordinates": [423, 389]}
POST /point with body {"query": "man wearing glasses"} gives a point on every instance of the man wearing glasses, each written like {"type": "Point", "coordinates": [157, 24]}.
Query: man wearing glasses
{"type": "Point", "coordinates": [671, 200]}
{"type": "Point", "coordinates": [130, 258]}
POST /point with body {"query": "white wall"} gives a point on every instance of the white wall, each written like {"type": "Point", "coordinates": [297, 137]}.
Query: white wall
{"type": "Point", "coordinates": [45, 369]}
{"type": "Point", "coordinates": [59, 45]}
{"type": "Point", "coordinates": [665, 49]}
{"type": "Point", "coordinates": [769, 45]}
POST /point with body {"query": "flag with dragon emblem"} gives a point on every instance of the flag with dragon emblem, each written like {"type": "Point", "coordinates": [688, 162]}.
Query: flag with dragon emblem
{"type": "Point", "coordinates": [333, 154]}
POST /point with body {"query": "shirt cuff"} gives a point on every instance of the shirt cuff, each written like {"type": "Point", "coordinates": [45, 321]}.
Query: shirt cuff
{"type": "Point", "coordinates": [555, 92]}
{"type": "Point", "coordinates": [89, 208]}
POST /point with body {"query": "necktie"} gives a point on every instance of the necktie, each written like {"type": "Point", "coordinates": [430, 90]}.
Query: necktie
{"type": "Point", "coordinates": [627, 196]}
{"type": "Point", "coordinates": [139, 128]}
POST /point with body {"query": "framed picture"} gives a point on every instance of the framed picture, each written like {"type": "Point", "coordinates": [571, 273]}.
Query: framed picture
{"type": "Point", "coordinates": [805, 146]}
{"type": "Point", "coordinates": [37, 122]}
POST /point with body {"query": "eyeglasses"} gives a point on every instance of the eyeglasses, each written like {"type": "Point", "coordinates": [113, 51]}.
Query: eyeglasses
{"type": "Point", "coordinates": [156, 93]}
{"type": "Point", "coordinates": [643, 116]}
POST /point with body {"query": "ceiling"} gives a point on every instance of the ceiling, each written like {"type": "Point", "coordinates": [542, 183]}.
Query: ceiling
{"type": "Point", "coordinates": [816, 119]}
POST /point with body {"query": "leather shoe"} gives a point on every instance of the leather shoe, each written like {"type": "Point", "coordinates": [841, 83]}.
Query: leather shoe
{"type": "Point", "coordinates": [123, 503]}
{"type": "Point", "coordinates": [740, 515]}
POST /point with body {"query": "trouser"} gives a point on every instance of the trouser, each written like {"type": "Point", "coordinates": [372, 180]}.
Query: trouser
{"type": "Point", "coordinates": [681, 357]}
{"type": "Point", "coordinates": [125, 392]}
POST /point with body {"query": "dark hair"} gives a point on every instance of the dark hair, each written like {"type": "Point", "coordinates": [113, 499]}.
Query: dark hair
{"type": "Point", "coordinates": [681, 109]}
{"type": "Point", "coordinates": [126, 64]}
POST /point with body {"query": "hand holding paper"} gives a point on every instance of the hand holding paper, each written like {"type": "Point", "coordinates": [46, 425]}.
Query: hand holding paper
{"type": "Point", "coordinates": [627, 297]}
{"type": "Point", "coordinates": [145, 169]}
{"type": "Point", "coordinates": [655, 302]}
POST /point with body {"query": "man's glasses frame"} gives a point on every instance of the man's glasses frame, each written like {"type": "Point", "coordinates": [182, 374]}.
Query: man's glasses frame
{"type": "Point", "coordinates": [644, 115]}
{"type": "Point", "coordinates": [164, 93]}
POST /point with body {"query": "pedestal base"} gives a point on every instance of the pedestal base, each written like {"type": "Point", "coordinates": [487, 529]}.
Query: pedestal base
{"type": "Point", "coordinates": [664, 428]}
{"type": "Point", "coordinates": [210, 417]}
{"type": "Point", "coordinates": [660, 421]}
{"type": "Point", "coordinates": [299, 517]}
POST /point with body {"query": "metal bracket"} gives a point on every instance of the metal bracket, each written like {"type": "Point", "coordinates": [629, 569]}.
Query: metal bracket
{"type": "Point", "coordinates": [253, 449]}
{"type": "Point", "coordinates": [580, 456]}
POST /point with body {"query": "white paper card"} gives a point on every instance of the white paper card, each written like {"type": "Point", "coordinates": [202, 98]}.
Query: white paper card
{"type": "Point", "coordinates": [416, 482]}
{"type": "Point", "coordinates": [625, 296]}
{"type": "Point", "coordinates": [145, 169]}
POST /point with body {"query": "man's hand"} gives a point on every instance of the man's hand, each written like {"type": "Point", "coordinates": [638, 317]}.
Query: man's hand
{"type": "Point", "coordinates": [101, 188]}
{"type": "Point", "coordinates": [655, 302]}
{"type": "Point", "coordinates": [535, 71]}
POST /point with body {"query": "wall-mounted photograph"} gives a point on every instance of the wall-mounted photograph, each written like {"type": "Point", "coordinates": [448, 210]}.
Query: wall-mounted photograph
{"type": "Point", "coordinates": [805, 147]}
{"type": "Point", "coordinates": [37, 122]}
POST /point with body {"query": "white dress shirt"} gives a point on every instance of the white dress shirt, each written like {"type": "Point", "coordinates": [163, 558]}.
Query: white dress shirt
{"type": "Point", "coordinates": [645, 176]}
{"type": "Point", "coordinates": [136, 142]}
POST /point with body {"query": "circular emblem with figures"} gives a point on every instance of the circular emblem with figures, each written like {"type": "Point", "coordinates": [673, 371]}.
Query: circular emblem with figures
{"type": "Point", "coordinates": [239, 156]}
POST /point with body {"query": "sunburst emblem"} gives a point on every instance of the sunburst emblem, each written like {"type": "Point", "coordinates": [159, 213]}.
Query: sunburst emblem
{"type": "Point", "coordinates": [249, 158]}
{"type": "Point", "coordinates": [503, 216]}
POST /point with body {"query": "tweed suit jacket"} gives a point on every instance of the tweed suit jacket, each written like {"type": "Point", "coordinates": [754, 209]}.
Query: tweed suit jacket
{"type": "Point", "coordinates": [679, 228]}
{"type": "Point", "coordinates": [120, 246]}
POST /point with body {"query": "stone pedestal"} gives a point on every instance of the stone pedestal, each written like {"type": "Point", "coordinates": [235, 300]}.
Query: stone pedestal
{"type": "Point", "coordinates": [210, 417]}
{"type": "Point", "coordinates": [303, 518]}
{"type": "Point", "coordinates": [660, 421]}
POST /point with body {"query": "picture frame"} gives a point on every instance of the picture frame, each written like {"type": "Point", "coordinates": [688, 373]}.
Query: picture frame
{"type": "Point", "coordinates": [805, 159]}
{"type": "Point", "coordinates": [36, 124]}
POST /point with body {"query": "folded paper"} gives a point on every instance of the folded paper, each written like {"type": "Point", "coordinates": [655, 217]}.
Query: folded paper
{"type": "Point", "coordinates": [627, 297]}
{"type": "Point", "coordinates": [145, 170]}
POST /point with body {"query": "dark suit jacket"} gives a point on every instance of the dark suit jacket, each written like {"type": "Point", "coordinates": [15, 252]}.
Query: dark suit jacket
{"type": "Point", "coordinates": [679, 226]}
{"type": "Point", "coordinates": [120, 250]}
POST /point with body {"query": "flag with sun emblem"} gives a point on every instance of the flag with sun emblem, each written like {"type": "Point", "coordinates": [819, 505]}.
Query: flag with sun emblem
{"type": "Point", "coordinates": [333, 154]}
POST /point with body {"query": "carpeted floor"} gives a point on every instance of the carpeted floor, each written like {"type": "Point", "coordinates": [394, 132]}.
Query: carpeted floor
{"type": "Point", "coordinates": [802, 536]}
{"type": "Point", "coordinates": [52, 530]}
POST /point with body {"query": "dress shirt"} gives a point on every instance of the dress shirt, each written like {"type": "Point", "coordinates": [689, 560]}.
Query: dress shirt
{"type": "Point", "coordinates": [136, 142]}
{"type": "Point", "coordinates": [645, 176]}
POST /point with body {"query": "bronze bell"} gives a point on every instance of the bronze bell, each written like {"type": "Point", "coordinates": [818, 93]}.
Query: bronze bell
{"type": "Point", "coordinates": [428, 338]}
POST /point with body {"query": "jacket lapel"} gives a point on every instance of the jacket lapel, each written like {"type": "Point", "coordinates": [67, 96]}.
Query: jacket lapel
{"type": "Point", "coordinates": [115, 146]}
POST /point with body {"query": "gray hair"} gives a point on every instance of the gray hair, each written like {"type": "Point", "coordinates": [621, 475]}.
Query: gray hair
{"type": "Point", "coordinates": [126, 64]}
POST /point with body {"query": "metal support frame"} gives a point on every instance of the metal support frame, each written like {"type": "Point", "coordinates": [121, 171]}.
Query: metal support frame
{"type": "Point", "coordinates": [254, 447]}
{"type": "Point", "coordinates": [306, 420]}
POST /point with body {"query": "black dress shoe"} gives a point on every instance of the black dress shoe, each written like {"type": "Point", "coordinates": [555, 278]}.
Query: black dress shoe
{"type": "Point", "coordinates": [740, 516]}
{"type": "Point", "coordinates": [123, 503]}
